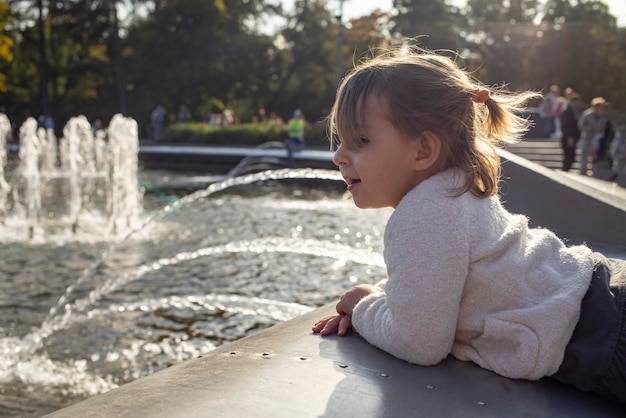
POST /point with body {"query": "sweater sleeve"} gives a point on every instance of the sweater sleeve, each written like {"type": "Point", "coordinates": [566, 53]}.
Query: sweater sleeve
{"type": "Point", "coordinates": [427, 257]}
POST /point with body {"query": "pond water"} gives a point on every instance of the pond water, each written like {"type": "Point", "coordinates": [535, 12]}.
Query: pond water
{"type": "Point", "coordinates": [83, 314]}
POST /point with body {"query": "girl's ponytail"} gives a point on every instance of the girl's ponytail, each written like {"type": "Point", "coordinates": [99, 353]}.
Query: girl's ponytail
{"type": "Point", "coordinates": [497, 122]}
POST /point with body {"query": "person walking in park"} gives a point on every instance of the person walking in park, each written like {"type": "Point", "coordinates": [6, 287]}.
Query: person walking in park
{"type": "Point", "coordinates": [157, 121]}
{"type": "Point", "coordinates": [296, 126]}
{"type": "Point", "coordinates": [551, 109]}
{"type": "Point", "coordinates": [183, 115]}
{"type": "Point", "coordinates": [465, 277]}
{"type": "Point", "coordinates": [592, 124]}
{"type": "Point", "coordinates": [618, 153]}
{"type": "Point", "coordinates": [570, 130]}
{"type": "Point", "coordinates": [604, 145]}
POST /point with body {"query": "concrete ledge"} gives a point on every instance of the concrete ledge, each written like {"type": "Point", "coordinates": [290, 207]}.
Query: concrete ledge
{"type": "Point", "coordinates": [570, 207]}
{"type": "Point", "coordinates": [286, 371]}
{"type": "Point", "coordinates": [220, 159]}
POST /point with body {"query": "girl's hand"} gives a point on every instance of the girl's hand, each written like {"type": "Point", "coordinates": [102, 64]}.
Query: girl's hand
{"type": "Point", "coordinates": [350, 299]}
{"type": "Point", "coordinates": [342, 321]}
{"type": "Point", "coordinates": [335, 323]}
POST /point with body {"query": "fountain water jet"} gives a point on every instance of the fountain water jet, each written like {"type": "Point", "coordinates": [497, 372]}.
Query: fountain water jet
{"type": "Point", "coordinates": [55, 321]}
{"type": "Point", "coordinates": [82, 347]}
{"type": "Point", "coordinates": [5, 189]}
{"type": "Point", "coordinates": [159, 287]}
{"type": "Point", "coordinates": [96, 170]}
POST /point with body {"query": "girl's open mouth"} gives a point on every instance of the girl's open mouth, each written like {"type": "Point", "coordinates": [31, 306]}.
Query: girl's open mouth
{"type": "Point", "coordinates": [352, 183]}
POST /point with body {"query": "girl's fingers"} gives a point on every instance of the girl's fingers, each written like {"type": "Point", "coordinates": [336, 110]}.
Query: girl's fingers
{"type": "Point", "coordinates": [333, 324]}
{"type": "Point", "coordinates": [325, 319]}
{"type": "Point", "coordinates": [319, 325]}
{"type": "Point", "coordinates": [345, 322]}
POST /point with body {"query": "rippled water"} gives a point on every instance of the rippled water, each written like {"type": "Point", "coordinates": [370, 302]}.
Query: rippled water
{"type": "Point", "coordinates": [81, 317]}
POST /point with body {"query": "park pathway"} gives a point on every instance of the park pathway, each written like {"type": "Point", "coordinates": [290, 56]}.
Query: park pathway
{"type": "Point", "coordinates": [546, 152]}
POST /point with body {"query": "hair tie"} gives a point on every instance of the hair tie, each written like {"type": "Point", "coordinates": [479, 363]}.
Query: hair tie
{"type": "Point", "coordinates": [480, 95]}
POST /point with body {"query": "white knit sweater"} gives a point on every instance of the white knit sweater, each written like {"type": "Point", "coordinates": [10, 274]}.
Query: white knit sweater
{"type": "Point", "coordinates": [469, 278]}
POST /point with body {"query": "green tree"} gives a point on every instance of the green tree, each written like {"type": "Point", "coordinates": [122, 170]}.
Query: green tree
{"type": "Point", "coordinates": [6, 45]}
{"type": "Point", "coordinates": [582, 47]}
{"type": "Point", "coordinates": [366, 35]}
{"type": "Point", "coordinates": [65, 48]}
{"type": "Point", "coordinates": [528, 46]}
{"type": "Point", "coordinates": [502, 11]}
{"type": "Point", "coordinates": [437, 24]}
{"type": "Point", "coordinates": [21, 97]}
{"type": "Point", "coordinates": [501, 36]}
{"type": "Point", "coordinates": [204, 54]}
{"type": "Point", "coordinates": [217, 54]}
{"type": "Point", "coordinates": [309, 45]}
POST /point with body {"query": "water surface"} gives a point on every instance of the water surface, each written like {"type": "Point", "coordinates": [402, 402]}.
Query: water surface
{"type": "Point", "coordinates": [80, 317]}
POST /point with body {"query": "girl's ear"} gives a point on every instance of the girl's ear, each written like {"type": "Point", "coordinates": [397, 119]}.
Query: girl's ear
{"type": "Point", "coordinates": [427, 151]}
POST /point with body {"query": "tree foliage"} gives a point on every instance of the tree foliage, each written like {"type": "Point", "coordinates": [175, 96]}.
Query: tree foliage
{"type": "Point", "coordinates": [436, 23]}
{"type": "Point", "coordinates": [6, 46]}
{"type": "Point", "coordinates": [200, 53]}
{"type": "Point", "coordinates": [100, 57]}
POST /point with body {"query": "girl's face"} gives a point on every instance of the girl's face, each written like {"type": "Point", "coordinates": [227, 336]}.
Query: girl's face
{"type": "Point", "coordinates": [379, 164]}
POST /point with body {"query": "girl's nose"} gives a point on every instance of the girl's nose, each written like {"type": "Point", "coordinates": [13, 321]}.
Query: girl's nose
{"type": "Point", "coordinates": [341, 156]}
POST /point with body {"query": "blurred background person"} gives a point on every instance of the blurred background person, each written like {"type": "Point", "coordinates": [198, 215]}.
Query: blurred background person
{"type": "Point", "coordinates": [295, 127]}
{"type": "Point", "coordinates": [570, 133]}
{"type": "Point", "coordinates": [592, 124]}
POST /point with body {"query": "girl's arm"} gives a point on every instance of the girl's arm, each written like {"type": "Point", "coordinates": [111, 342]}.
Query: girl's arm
{"type": "Point", "coordinates": [427, 256]}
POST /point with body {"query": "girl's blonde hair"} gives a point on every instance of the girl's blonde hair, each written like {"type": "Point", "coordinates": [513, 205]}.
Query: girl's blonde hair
{"type": "Point", "coordinates": [429, 92]}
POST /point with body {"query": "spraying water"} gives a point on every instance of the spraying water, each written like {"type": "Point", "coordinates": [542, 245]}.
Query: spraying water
{"type": "Point", "coordinates": [97, 171]}
{"type": "Point", "coordinates": [54, 321]}
{"type": "Point", "coordinates": [5, 189]}
{"type": "Point", "coordinates": [204, 270]}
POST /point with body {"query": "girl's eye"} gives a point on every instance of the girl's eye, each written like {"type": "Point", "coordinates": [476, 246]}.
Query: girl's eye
{"type": "Point", "coordinates": [362, 141]}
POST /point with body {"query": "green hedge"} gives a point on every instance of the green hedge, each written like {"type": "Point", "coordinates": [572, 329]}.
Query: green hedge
{"type": "Point", "coordinates": [248, 134]}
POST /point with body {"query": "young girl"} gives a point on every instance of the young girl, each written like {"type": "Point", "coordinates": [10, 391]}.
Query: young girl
{"type": "Point", "coordinates": [465, 276]}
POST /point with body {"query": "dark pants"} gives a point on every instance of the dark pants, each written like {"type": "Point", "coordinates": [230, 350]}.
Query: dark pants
{"type": "Point", "coordinates": [569, 152]}
{"type": "Point", "coordinates": [293, 145]}
{"type": "Point", "coordinates": [595, 358]}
